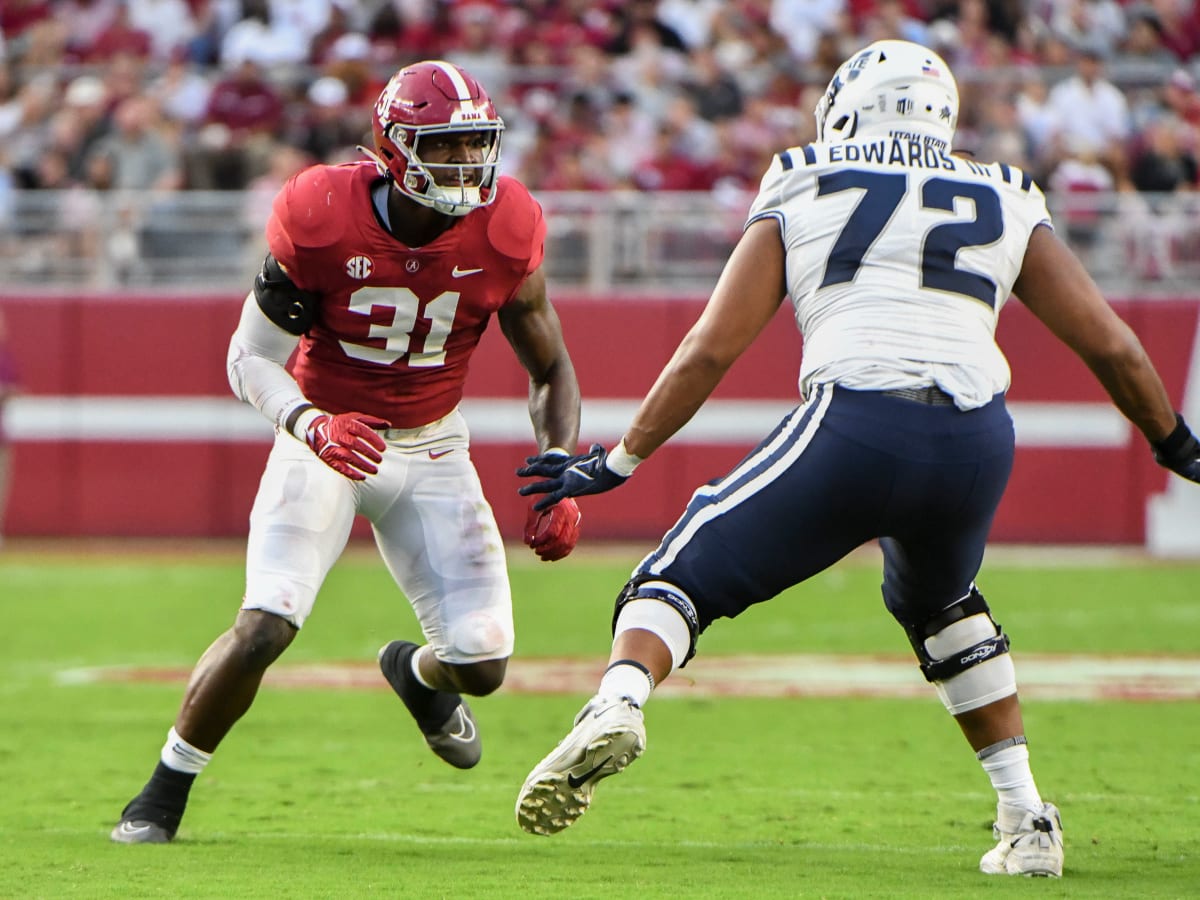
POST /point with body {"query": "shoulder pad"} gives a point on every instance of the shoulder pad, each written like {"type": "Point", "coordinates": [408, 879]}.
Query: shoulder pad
{"type": "Point", "coordinates": [516, 227]}
{"type": "Point", "coordinates": [312, 208]}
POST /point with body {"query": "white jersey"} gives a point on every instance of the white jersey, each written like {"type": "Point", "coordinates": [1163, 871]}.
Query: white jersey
{"type": "Point", "coordinates": [899, 258]}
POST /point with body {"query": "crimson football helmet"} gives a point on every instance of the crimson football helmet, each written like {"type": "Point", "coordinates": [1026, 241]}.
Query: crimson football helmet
{"type": "Point", "coordinates": [428, 98]}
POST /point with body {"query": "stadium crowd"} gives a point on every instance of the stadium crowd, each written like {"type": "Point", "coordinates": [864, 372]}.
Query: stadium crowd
{"type": "Point", "coordinates": [1089, 96]}
{"type": "Point", "coordinates": [654, 94]}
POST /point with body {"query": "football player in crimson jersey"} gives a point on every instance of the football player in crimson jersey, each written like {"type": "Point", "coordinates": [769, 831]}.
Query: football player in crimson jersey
{"type": "Point", "coordinates": [381, 277]}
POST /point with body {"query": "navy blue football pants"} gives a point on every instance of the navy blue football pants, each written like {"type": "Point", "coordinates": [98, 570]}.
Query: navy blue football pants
{"type": "Point", "coordinates": [845, 468]}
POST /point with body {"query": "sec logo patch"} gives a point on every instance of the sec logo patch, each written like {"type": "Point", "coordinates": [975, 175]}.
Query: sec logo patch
{"type": "Point", "coordinates": [359, 267]}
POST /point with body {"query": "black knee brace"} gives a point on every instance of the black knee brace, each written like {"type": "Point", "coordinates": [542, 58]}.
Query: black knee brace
{"type": "Point", "coordinates": [939, 670]}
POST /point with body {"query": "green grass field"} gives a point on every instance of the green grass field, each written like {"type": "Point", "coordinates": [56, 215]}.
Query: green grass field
{"type": "Point", "coordinates": [330, 793]}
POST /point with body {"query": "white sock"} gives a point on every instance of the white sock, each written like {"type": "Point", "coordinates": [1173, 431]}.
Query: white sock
{"type": "Point", "coordinates": [1011, 777]}
{"type": "Point", "coordinates": [414, 664]}
{"type": "Point", "coordinates": [626, 679]}
{"type": "Point", "coordinates": [181, 756]}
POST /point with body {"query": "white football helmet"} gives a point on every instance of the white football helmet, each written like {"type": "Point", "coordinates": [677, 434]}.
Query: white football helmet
{"type": "Point", "coordinates": [890, 84]}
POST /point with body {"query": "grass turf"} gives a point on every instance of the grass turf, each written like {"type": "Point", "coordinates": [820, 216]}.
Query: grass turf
{"type": "Point", "coordinates": [325, 793]}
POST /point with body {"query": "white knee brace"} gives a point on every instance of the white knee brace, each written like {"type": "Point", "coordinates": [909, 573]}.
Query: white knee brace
{"type": "Point", "coordinates": [985, 671]}
{"type": "Point", "coordinates": [964, 653]}
{"type": "Point", "coordinates": [660, 619]}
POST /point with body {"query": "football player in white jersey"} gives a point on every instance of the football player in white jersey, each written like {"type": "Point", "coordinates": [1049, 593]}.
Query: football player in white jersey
{"type": "Point", "coordinates": [897, 256]}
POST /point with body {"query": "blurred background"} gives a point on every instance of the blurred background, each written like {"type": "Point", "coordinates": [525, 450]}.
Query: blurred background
{"type": "Point", "coordinates": [142, 141]}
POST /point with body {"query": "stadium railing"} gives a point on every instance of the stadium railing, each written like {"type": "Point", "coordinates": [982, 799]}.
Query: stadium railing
{"type": "Point", "coordinates": [1133, 243]}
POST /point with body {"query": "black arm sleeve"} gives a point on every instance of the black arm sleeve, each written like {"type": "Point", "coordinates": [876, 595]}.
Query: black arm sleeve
{"type": "Point", "coordinates": [281, 301]}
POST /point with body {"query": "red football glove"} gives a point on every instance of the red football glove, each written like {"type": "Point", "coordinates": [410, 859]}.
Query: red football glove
{"type": "Point", "coordinates": [346, 443]}
{"type": "Point", "coordinates": [553, 532]}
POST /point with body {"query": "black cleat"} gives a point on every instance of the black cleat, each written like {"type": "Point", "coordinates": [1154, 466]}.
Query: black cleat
{"type": "Point", "coordinates": [140, 831]}
{"type": "Point", "coordinates": [443, 717]}
{"type": "Point", "coordinates": [152, 817]}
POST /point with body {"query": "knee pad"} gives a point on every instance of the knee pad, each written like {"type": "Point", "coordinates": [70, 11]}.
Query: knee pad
{"type": "Point", "coordinates": [474, 637]}
{"type": "Point", "coordinates": [964, 654]}
{"type": "Point", "coordinates": [658, 620]}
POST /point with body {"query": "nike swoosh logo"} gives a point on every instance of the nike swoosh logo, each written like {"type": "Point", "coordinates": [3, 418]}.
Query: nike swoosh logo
{"type": "Point", "coordinates": [576, 782]}
{"type": "Point", "coordinates": [456, 272]}
{"type": "Point", "coordinates": [466, 728]}
{"type": "Point", "coordinates": [129, 829]}
{"type": "Point", "coordinates": [438, 454]}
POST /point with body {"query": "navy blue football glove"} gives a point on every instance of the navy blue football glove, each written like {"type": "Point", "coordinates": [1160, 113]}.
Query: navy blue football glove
{"type": "Point", "coordinates": [569, 476]}
{"type": "Point", "coordinates": [1179, 451]}
{"type": "Point", "coordinates": [545, 465]}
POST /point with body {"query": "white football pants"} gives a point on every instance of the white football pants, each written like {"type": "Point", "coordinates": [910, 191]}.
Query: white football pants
{"type": "Point", "coordinates": [432, 524]}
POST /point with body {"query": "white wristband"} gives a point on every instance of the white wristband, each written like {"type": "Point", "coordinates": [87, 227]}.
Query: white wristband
{"type": "Point", "coordinates": [621, 461]}
{"type": "Point", "coordinates": [300, 428]}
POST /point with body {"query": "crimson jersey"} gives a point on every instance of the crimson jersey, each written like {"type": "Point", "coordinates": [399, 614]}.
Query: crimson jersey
{"type": "Point", "coordinates": [396, 325]}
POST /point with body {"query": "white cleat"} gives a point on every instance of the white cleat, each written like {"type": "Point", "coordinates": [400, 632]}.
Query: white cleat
{"type": "Point", "coordinates": [608, 735]}
{"type": "Point", "coordinates": [1030, 843]}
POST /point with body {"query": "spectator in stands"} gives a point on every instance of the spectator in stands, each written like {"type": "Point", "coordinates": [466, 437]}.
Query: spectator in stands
{"type": "Point", "coordinates": [714, 90]}
{"type": "Point", "coordinates": [734, 33]}
{"type": "Point", "coordinates": [583, 170]}
{"type": "Point", "coordinates": [305, 18]}
{"type": "Point", "coordinates": [8, 202]}
{"type": "Point", "coordinates": [245, 112]}
{"type": "Point", "coordinates": [330, 126]}
{"type": "Point", "coordinates": [1180, 97]}
{"type": "Point", "coordinates": [970, 42]}
{"type": "Point", "coordinates": [212, 19]}
{"type": "Point", "coordinates": [695, 136]}
{"type": "Point", "coordinates": [665, 169]}
{"type": "Point", "coordinates": [119, 38]}
{"type": "Point", "coordinates": [9, 387]}
{"type": "Point", "coordinates": [1180, 26]}
{"type": "Point", "coordinates": [1090, 110]}
{"type": "Point", "coordinates": [589, 83]}
{"type": "Point", "coordinates": [349, 60]}
{"type": "Point", "coordinates": [478, 45]}
{"type": "Point", "coordinates": [1142, 52]}
{"type": "Point", "coordinates": [801, 23]}
{"type": "Point", "coordinates": [17, 16]}
{"type": "Point", "coordinates": [1080, 179]}
{"type": "Point", "coordinates": [690, 19]}
{"type": "Point", "coordinates": [1099, 24]}
{"type": "Point", "coordinates": [124, 78]}
{"type": "Point", "coordinates": [89, 120]}
{"type": "Point", "coordinates": [260, 38]}
{"type": "Point", "coordinates": [260, 194]}
{"type": "Point", "coordinates": [181, 91]}
{"type": "Point", "coordinates": [735, 59]}
{"type": "Point", "coordinates": [168, 23]}
{"type": "Point", "coordinates": [627, 126]}
{"type": "Point", "coordinates": [83, 21]}
{"type": "Point", "coordinates": [406, 30]}
{"type": "Point", "coordinates": [25, 128]}
{"type": "Point", "coordinates": [893, 19]}
{"type": "Point", "coordinates": [1161, 163]}
{"type": "Point", "coordinates": [1000, 137]}
{"type": "Point", "coordinates": [140, 156]}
